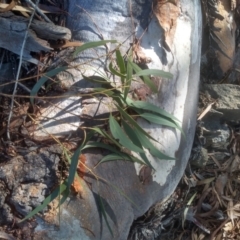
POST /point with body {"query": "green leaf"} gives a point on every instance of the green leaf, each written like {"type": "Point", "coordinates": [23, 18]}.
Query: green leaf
{"type": "Point", "coordinates": [134, 138]}
{"type": "Point", "coordinates": [88, 45]}
{"type": "Point", "coordinates": [152, 149]}
{"type": "Point", "coordinates": [139, 138]}
{"type": "Point", "coordinates": [145, 79]}
{"type": "Point", "coordinates": [103, 211]}
{"type": "Point", "coordinates": [119, 155]}
{"type": "Point", "coordinates": [131, 134]}
{"type": "Point", "coordinates": [154, 72]}
{"type": "Point", "coordinates": [121, 65]}
{"type": "Point", "coordinates": [104, 91]}
{"type": "Point", "coordinates": [101, 145]}
{"type": "Point", "coordinates": [128, 79]}
{"type": "Point", "coordinates": [60, 189]}
{"type": "Point", "coordinates": [65, 195]}
{"type": "Point", "coordinates": [145, 159]}
{"type": "Point", "coordinates": [160, 119]}
{"type": "Point", "coordinates": [150, 107]}
{"type": "Point", "coordinates": [97, 79]}
{"type": "Point", "coordinates": [123, 156]}
{"type": "Point", "coordinates": [73, 166]}
{"type": "Point", "coordinates": [115, 72]}
{"type": "Point", "coordinates": [118, 134]}
{"type": "Point", "coordinates": [153, 118]}
{"type": "Point", "coordinates": [42, 81]}
{"type": "Point", "coordinates": [104, 134]}
{"type": "Point", "coordinates": [128, 118]}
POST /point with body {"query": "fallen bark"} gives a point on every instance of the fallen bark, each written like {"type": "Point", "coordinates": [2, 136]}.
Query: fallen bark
{"type": "Point", "coordinates": [13, 31]}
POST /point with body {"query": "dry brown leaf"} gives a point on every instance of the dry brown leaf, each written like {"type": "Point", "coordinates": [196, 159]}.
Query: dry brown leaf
{"type": "Point", "coordinates": [66, 44]}
{"type": "Point", "coordinates": [77, 186]}
{"type": "Point", "coordinates": [219, 236]}
{"type": "Point", "coordinates": [207, 109]}
{"type": "Point", "coordinates": [205, 181]}
{"type": "Point", "coordinates": [138, 55]}
{"type": "Point", "coordinates": [230, 211]}
{"type": "Point", "coordinates": [145, 175]}
{"type": "Point", "coordinates": [230, 189]}
{"type": "Point", "coordinates": [201, 236]}
{"type": "Point", "coordinates": [215, 160]}
{"type": "Point", "coordinates": [221, 183]}
{"type": "Point", "coordinates": [18, 8]}
{"type": "Point", "coordinates": [235, 164]}
{"type": "Point", "coordinates": [233, 211]}
{"type": "Point", "coordinates": [228, 227]}
{"type": "Point", "coordinates": [167, 13]}
{"type": "Point", "coordinates": [6, 236]}
{"type": "Point", "coordinates": [81, 166]}
{"type": "Point", "coordinates": [9, 6]}
{"type": "Point", "coordinates": [194, 236]}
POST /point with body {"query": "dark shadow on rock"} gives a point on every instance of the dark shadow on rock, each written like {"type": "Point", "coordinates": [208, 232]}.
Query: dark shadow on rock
{"type": "Point", "coordinates": [104, 209]}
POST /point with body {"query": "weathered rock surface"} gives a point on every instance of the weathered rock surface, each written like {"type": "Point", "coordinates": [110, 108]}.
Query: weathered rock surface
{"type": "Point", "coordinates": [28, 179]}
{"type": "Point", "coordinates": [227, 100]}
{"type": "Point", "coordinates": [60, 118]}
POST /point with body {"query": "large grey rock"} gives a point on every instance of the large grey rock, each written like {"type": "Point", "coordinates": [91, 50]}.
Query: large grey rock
{"type": "Point", "coordinates": [92, 21]}
{"type": "Point", "coordinates": [227, 98]}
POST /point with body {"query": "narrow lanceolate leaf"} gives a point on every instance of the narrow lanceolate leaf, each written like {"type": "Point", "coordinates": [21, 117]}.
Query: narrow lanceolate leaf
{"type": "Point", "coordinates": [103, 211]}
{"type": "Point", "coordinates": [101, 145]}
{"type": "Point", "coordinates": [121, 65]}
{"type": "Point", "coordinates": [73, 166]}
{"type": "Point", "coordinates": [150, 107]}
{"type": "Point", "coordinates": [134, 138]}
{"type": "Point", "coordinates": [160, 119]}
{"type": "Point", "coordinates": [118, 134]}
{"type": "Point", "coordinates": [151, 148]}
{"type": "Point", "coordinates": [154, 118]}
{"type": "Point", "coordinates": [89, 45]}
{"type": "Point", "coordinates": [145, 79]}
{"type": "Point", "coordinates": [129, 119]}
{"type": "Point", "coordinates": [154, 72]}
{"type": "Point", "coordinates": [128, 81]}
{"type": "Point", "coordinates": [123, 156]}
{"type": "Point", "coordinates": [104, 91]}
{"type": "Point", "coordinates": [97, 79]}
{"type": "Point", "coordinates": [131, 134]}
{"type": "Point", "coordinates": [43, 80]}
{"type": "Point", "coordinates": [117, 155]}
{"type": "Point", "coordinates": [64, 197]}
{"type": "Point", "coordinates": [105, 135]}
{"type": "Point", "coordinates": [60, 189]}
{"type": "Point", "coordinates": [114, 71]}
{"type": "Point", "coordinates": [107, 147]}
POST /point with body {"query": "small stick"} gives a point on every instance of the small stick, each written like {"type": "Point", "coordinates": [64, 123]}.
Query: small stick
{"type": "Point", "coordinates": [38, 10]}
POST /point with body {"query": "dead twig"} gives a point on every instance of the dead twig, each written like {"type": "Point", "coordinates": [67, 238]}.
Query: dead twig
{"type": "Point", "coordinates": [38, 10]}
